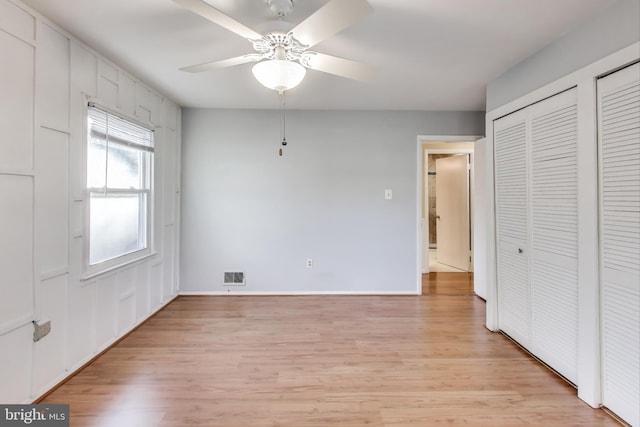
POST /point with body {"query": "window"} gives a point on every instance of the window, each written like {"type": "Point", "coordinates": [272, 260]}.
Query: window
{"type": "Point", "coordinates": [119, 175]}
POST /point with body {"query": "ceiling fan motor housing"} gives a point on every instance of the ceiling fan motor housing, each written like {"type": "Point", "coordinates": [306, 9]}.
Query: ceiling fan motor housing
{"type": "Point", "coordinates": [281, 7]}
{"type": "Point", "coordinates": [278, 45]}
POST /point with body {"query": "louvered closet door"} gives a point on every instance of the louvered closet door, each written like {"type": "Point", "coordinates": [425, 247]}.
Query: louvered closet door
{"type": "Point", "coordinates": [510, 148]}
{"type": "Point", "coordinates": [554, 232]}
{"type": "Point", "coordinates": [619, 132]}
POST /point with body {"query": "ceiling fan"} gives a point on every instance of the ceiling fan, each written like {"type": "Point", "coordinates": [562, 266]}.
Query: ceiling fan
{"type": "Point", "coordinates": [283, 57]}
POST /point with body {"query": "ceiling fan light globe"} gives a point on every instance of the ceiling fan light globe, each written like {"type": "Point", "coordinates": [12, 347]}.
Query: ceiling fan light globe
{"type": "Point", "coordinates": [281, 7]}
{"type": "Point", "coordinates": [278, 74]}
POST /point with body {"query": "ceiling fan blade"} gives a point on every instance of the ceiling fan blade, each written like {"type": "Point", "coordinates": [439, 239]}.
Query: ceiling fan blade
{"type": "Point", "coordinates": [341, 67]}
{"type": "Point", "coordinates": [231, 62]}
{"type": "Point", "coordinates": [214, 15]}
{"type": "Point", "coordinates": [330, 19]}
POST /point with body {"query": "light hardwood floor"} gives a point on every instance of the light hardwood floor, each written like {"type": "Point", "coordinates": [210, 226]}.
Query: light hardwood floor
{"type": "Point", "coordinates": [447, 283]}
{"type": "Point", "coordinates": [321, 361]}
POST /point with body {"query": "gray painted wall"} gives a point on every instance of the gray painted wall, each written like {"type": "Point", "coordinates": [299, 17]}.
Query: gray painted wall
{"type": "Point", "coordinates": [615, 28]}
{"type": "Point", "coordinates": [244, 208]}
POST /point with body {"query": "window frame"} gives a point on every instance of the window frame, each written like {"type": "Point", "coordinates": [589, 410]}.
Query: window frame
{"type": "Point", "coordinates": [146, 188]}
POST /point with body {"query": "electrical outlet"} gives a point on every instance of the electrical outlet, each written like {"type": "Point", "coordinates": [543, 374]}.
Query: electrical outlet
{"type": "Point", "coordinates": [309, 263]}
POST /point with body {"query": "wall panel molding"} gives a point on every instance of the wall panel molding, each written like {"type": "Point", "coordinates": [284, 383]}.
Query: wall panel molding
{"type": "Point", "coordinates": [48, 77]}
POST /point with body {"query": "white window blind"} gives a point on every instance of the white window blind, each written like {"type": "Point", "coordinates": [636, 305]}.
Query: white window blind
{"type": "Point", "coordinates": [119, 171]}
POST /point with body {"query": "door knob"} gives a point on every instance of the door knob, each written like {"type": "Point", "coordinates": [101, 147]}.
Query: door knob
{"type": "Point", "coordinates": [437, 216]}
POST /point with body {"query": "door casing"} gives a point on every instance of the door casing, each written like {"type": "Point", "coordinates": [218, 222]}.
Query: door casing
{"type": "Point", "coordinates": [433, 144]}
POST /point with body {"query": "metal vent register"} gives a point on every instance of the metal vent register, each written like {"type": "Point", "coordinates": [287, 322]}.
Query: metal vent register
{"type": "Point", "coordinates": [234, 279]}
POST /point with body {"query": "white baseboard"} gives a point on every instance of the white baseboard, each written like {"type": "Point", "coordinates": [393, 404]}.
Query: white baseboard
{"type": "Point", "coordinates": [296, 293]}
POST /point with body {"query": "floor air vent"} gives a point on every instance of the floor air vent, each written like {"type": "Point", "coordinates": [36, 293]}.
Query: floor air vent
{"type": "Point", "coordinates": [234, 279]}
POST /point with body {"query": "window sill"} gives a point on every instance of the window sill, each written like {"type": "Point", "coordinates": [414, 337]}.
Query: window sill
{"type": "Point", "coordinates": [113, 268]}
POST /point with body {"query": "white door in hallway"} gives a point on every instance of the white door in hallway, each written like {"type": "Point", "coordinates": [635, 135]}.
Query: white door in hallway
{"type": "Point", "coordinates": [452, 211]}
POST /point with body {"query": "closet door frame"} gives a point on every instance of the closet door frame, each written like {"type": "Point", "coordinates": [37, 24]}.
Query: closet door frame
{"type": "Point", "coordinates": [588, 253]}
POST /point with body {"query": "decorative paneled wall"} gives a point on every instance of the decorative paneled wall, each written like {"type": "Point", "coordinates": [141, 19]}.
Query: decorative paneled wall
{"type": "Point", "coordinates": [46, 80]}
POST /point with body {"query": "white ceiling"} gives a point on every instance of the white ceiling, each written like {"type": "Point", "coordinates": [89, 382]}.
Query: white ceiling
{"type": "Point", "coordinates": [429, 54]}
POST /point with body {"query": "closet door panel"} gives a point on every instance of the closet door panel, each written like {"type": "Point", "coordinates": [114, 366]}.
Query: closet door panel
{"type": "Point", "coordinates": [536, 225]}
{"type": "Point", "coordinates": [554, 231]}
{"type": "Point", "coordinates": [619, 139]}
{"type": "Point", "coordinates": [510, 136]}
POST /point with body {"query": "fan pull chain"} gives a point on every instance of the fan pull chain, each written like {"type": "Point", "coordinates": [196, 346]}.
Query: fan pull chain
{"type": "Point", "coordinates": [283, 131]}
{"type": "Point", "coordinates": [281, 107]}
{"type": "Point", "coordinates": [281, 95]}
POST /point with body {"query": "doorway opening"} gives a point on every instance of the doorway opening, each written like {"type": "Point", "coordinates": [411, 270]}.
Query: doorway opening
{"type": "Point", "coordinates": [434, 150]}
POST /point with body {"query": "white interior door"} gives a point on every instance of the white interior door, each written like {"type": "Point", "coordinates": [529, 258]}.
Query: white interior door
{"type": "Point", "coordinates": [619, 117]}
{"type": "Point", "coordinates": [452, 211]}
{"type": "Point", "coordinates": [512, 226]}
{"type": "Point", "coordinates": [553, 231]}
{"type": "Point", "coordinates": [536, 220]}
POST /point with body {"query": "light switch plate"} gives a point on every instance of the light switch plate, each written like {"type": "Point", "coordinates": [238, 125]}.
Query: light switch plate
{"type": "Point", "coordinates": [388, 194]}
